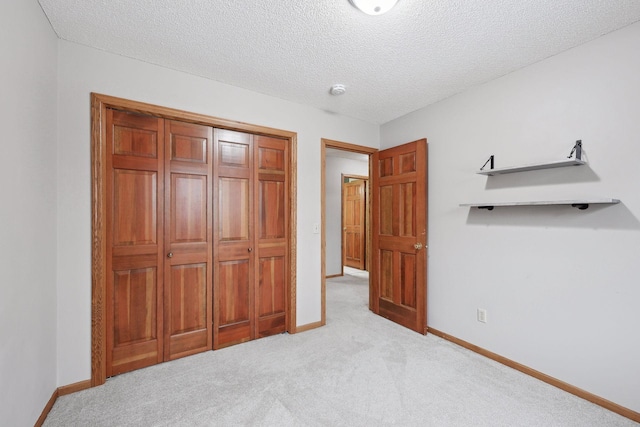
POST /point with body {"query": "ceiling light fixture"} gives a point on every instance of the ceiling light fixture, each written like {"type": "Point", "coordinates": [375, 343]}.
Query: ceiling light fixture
{"type": "Point", "coordinates": [337, 89]}
{"type": "Point", "coordinates": [374, 7]}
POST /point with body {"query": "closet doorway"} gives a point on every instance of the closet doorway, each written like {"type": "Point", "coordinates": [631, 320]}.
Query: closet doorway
{"type": "Point", "coordinates": [193, 226]}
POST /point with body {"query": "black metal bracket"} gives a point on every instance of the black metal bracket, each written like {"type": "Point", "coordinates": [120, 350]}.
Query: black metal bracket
{"type": "Point", "coordinates": [489, 208]}
{"type": "Point", "coordinates": [581, 206]}
{"type": "Point", "coordinates": [490, 159]}
{"type": "Point", "coordinates": [577, 148]}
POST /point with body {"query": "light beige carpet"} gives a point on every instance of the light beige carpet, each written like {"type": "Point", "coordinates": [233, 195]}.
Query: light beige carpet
{"type": "Point", "coordinates": [359, 370]}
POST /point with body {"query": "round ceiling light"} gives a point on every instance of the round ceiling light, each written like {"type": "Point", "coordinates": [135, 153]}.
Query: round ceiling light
{"type": "Point", "coordinates": [374, 7]}
{"type": "Point", "coordinates": [337, 89]}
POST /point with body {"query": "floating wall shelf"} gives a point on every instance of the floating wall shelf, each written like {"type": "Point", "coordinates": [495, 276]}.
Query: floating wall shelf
{"type": "Point", "coordinates": [581, 204]}
{"type": "Point", "coordinates": [532, 167]}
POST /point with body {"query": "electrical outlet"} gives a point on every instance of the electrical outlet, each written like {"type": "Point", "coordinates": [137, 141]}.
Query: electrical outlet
{"type": "Point", "coordinates": [482, 315]}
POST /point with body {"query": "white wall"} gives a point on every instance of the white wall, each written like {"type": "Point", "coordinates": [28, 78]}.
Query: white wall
{"type": "Point", "coordinates": [335, 167]}
{"type": "Point", "coordinates": [28, 212]}
{"type": "Point", "coordinates": [83, 70]}
{"type": "Point", "coordinates": [561, 286]}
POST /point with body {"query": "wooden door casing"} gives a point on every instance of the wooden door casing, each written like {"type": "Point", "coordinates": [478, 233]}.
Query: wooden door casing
{"type": "Point", "coordinates": [353, 221]}
{"type": "Point", "coordinates": [399, 233]}
{"type": "Point", "coordinates": [188, 239]}
{"type": "Point", "coordinates": [134, 243]}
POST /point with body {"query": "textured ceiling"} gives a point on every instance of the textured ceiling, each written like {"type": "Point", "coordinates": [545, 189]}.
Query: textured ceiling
{"type": "Point", "coordinates": [420, 52]}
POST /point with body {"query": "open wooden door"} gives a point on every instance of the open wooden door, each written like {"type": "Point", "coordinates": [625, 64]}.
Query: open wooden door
{"type": "Point", "coordinates": [353, 221]}
{"type": "Point", "coordinates": [399, 232]}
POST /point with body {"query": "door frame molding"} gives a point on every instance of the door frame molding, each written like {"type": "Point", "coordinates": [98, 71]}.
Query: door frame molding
{"type": "Point", "coordinates": [99, 105]}
{"type": "Point", "coordinates": [344, 146]}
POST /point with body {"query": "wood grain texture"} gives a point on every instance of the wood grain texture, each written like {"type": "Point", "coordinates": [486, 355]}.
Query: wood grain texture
{"type": "Point", "coordinates": [61, 391]}
{"type": "Point", "coordinates": [233, 238]}
{"type": "Point", "coordinates": [188, 265]}
{"type": "Point", "coordinates": [185, 150]}
{"type": "Point", "coordinates": [353, 222]}
{"type": "Point", "coordinates": [73, 388]}
{"type": "Point", "coordinates": [47, 408]}
{"type": "Point", "coordinates": [271, 238]}
{"type": "Point", "coordinates": [399, 223]}
{"type": "Point", "coordinates": [309, 326]}
{"type": "Point", "coordinates": [98, 242]}
{"type": "Point", "coordinates": [134, 200]}
{"type": "Point", "coordinates": [292, 195]}
{"type": "Point", "coordinates": [607, 404]}
{"type": "Point", "coordinates": [323, 233]}
{"type": "Point", "coordinates": [251, 237]}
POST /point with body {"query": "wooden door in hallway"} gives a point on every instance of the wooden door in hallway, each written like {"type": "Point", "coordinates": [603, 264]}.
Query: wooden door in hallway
{"type": "Point", "coordinates": [353, 222]}
{"type": "Point", "coordinates": [399, 233]}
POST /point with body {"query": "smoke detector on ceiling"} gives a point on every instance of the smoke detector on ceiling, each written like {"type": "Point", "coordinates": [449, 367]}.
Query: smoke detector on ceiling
{"type": "Point", "coordinates": [337, 89]}
{"type": "Point", "coordinates": [374, 7]}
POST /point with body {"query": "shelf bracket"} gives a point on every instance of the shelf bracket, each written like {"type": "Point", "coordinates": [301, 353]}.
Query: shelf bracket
{"type": "Point", "coordinates": [581, 206]}
{"type": "Point", "coordinates": [490, 159]}
{"type": "Point", "coordinates": [577, 148]}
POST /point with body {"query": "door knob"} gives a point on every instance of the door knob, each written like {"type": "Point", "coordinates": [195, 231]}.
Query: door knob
{"type": "Point", "coordinates": [418, 246]}
{"type": "Point", "coordinates": [170, 255]}
{"type": "Point", "coordinates": [250, 249]}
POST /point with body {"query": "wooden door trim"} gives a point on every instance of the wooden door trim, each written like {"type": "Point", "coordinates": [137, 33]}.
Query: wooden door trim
{"type": "Point", "coordinates": [99, 105]}
{"type": "Point", "coordinates": [569, 388]}
{"type": "Point", "coordinates": [345, 146]}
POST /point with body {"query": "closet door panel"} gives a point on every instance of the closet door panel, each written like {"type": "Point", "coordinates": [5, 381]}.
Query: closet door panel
{"type": "Point", "coordinates": [134, 241]}
{"type": "Point", "coordinates": [234, 209]}
{"type": "Point", "coordinates": [271, 235]}
{"type": "Point", "coordinates": [188, 215]}
{"type": "Point", "coordinates": [234, 293]}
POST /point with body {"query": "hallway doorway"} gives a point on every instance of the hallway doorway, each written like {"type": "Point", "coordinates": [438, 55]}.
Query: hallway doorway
{"type": "Point", "coordinates": [340, 161]}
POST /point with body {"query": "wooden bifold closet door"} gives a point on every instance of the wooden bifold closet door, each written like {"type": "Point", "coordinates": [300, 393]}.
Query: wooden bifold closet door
{"type": "Point", "coordinates": [188, 217]}
{"type": "Point", "coordinates": [187, 212]}
{"type": "Point", "coordinates": [250, 237]}
{"type": "Point", "coordinates": [135, 241]}
{"type": "Point", "coordinates": [158, 241]}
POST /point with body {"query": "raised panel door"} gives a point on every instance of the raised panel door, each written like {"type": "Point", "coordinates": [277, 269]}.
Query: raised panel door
{"type": "Point", "coordinates": [353, 221]}
{"type": "Point", "coordinates": [188, 236]}
{"type": "Point", "coordinates": [233, 236]}
{"type": "Point", "coordinates": [272, 237]}
{"type": "Point", "coordinates": [399, 232]}
{"type": "Point", "coordinates": [134, 241]}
